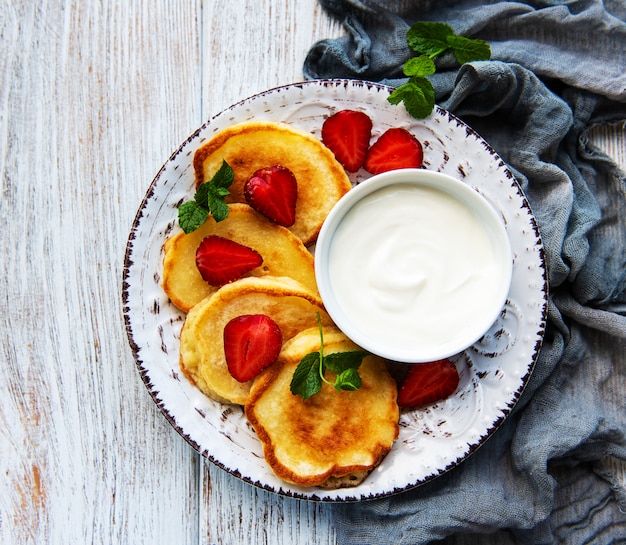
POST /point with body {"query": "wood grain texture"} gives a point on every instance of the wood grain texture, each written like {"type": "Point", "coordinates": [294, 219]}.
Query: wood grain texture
{"type": "Point", "coordinates": [94, 96]}
{"type": "Point", "coordinates": [88, 115]}
{"type": "Point", "coordinates": [277, 36]}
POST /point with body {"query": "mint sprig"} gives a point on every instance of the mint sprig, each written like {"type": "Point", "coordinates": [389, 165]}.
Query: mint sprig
{"type": "Point", "coordinates": [208, 199]}
{"type": "Point", "coordinates": [430, 40]}
{"type": "Point", "coordinates": [309, 375]}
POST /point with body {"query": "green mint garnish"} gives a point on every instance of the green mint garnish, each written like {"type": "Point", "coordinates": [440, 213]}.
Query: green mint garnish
{"type": "Point", "coordinates": [209, 199]}
{"type": "Point", "coordinates": [310, 373]}
{"type": "Point", "coordinates": [431, 40]}
{"type": "Point", "coordinates": [307, 380]}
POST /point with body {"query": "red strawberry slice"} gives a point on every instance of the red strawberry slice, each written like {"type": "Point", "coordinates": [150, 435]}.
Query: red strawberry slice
{"type": "Point", "coordinates": [221, 260]}
{"type": "Point", "coordinates": [347, 134]}
{"type": "Point", "coordinates": [396, 148]}
{"type": "Point", "coordinates": [251, 343]}
{"type": "Point", "coordinates": [428, 382]}
{"type": "Point", "coordinates": [273, 191]}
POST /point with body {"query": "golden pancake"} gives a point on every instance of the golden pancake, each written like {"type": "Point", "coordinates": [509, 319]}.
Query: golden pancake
{"type": "Point", "coordinates": [333, 439]}
{"type": "Point", "coordinates": [249, 146]}
{"type": "Point", "coordinates": [291, 305]}
{"type": "Point", "coordinates": [283, 254]}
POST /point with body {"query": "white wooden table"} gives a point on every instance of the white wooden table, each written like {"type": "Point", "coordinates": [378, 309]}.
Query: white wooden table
{"type": "Point", "coordinates": [94, 96]}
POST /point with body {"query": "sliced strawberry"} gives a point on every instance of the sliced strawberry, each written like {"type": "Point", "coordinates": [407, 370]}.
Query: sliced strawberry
{"type": "Point", "coordinates": [347, 134]}
{"type": "Point", "coordinates": [251, 343]}
{"type": "Point", "coordinates": [273, 191]}
{"type": "Point", "coordinates": [428, 382]}
{"type": "Point", "coordinates": [221, 260]}
{"type": "Point", "coordinates": [396, 148]}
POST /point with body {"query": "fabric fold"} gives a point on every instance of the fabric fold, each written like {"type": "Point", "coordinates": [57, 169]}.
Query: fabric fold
{"type": "Point", "coordinates": [535, 102]}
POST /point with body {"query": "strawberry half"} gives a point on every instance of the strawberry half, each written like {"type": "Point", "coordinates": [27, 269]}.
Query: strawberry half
{"type": "Point", "coordinates": [221, 260]}
{"type": "Point", "coordinates": [347, 134]}
{"type": "Point", "coordinates": [273, 191]}
{"type": "Point", "coordinates": [428, 382]}
{"type": "Point", "coordinates": [396, 148]}
{"type": "Point", "coordinates": [251, 343]}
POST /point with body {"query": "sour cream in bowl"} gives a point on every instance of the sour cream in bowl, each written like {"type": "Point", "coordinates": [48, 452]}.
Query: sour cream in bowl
{"type": "Point", "coordinates": [413, 265]}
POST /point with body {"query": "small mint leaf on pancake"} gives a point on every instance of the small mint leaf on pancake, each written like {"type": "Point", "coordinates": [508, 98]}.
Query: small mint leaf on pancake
{"type": "Point", "coordinates": [208, 199]}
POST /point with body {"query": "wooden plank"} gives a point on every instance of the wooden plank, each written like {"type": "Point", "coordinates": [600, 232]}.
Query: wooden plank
{"type": "Point", "coordinates": [249, 47]}
{"type": "Point", "coordinates": [94, 97]}
{"type": "Point", "coordinates": [234, 512]}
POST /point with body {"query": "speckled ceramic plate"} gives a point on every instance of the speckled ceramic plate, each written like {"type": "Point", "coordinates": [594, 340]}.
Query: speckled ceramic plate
{"type": "Point", "coordinates": [432, 440]}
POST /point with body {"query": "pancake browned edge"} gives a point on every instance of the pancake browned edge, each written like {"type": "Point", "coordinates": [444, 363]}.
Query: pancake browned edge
{"type": "Point", "coordinates": [249, 146]}
{"type": "Point", "coordinates": [292, 306]}
{"type": "Point", "coordinates": [283, 254]}
{"type": "Point", "coordinates": [333, 439]}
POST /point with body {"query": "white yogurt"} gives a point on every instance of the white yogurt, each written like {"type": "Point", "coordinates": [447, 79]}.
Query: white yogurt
{"type": "Point", "coordinates": [413, 265]}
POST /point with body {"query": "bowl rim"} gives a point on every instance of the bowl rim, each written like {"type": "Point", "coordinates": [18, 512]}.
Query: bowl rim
{"type": "Point", "coordinates": [465, 194]}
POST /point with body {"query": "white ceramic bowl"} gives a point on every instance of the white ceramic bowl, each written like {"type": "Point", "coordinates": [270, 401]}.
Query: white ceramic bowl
{"type": "Point", "coordinates": [413, 265]}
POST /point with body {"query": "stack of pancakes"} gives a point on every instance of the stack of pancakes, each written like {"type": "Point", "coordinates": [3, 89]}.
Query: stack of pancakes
{"type": "Point", "coordinates": [333, 439]}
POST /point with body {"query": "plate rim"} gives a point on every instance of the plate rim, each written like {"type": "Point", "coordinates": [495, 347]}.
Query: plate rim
{"type": "Point", "coordinates": [144, 373]}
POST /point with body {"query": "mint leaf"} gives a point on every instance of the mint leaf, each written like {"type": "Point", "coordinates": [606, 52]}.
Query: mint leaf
{"type": "Point", "coordinates": [219, 209]}
{"type": "Point", "coordinates": [345, 365]}
{"type": "Point", "coordinates": [308, 377]}
{"type": "Point", "coordinates": [208, 199]}
{"type": "Point", "coordinates": [306, 380]}
{"type": "Point", "coordinates": [223, 178]}
{"type": "Point", "coordinates": [429, 38]}
{"type": "Point", "coordinates": [338, 362]}
{"type": "Point", "coordinates": [468, 50]}
{"type": "Point", "coordinates": [348, 380]}
{"type": "Point", "coordinates": [191, 216]}
{"type": "Point", "coordinates": [202, 195]}
{"type": "Point", "coordinates": [418, 96]}
{"type": "Point", "coordinates": [419, 66]}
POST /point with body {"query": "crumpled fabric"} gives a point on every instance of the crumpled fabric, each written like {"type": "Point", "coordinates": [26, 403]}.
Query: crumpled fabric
{"type": "Point", "coordinates": [557, 70]}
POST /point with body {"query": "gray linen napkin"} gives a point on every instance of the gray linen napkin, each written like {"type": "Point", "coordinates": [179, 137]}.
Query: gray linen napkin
{"type": "Point", "coordinates": [535, 103]}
